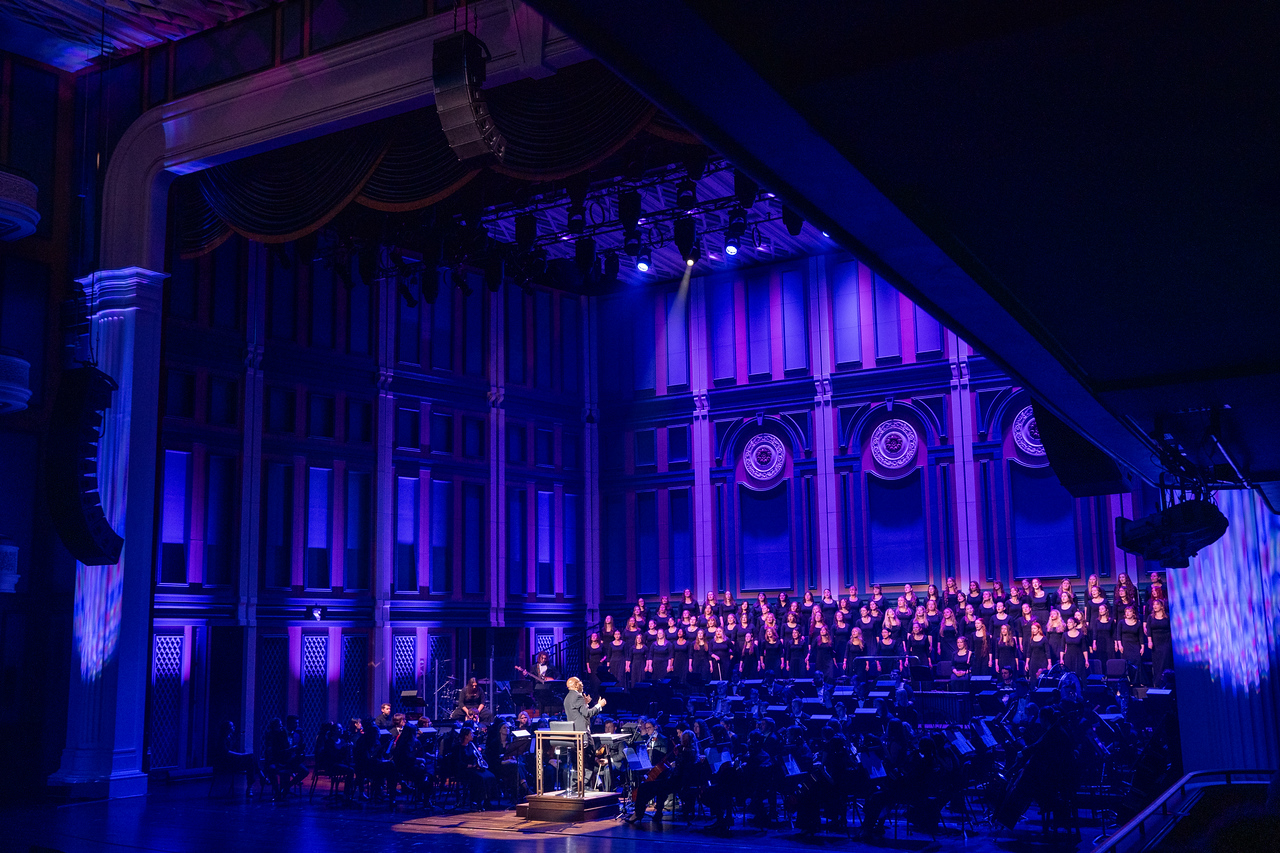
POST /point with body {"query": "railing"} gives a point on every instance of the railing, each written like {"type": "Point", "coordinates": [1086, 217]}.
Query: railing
{"type": "Point", "coordinates": [568, 654]}
{"type": "Point", "coordinates": [1160, 808]}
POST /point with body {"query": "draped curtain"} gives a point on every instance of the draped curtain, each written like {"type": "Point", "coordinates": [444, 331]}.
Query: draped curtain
{"type": "Point", "coordinates": [555, 128]}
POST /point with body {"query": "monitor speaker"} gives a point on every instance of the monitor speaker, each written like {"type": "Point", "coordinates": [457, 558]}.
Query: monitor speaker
{"type": "Point", "coordinates": [1082, 468]}
{"type": "Point", "coordinates": [71, 467]}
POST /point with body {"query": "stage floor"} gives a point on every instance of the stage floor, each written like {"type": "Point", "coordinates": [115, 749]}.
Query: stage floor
{"type": "Point", "coordinates": [181, 818]}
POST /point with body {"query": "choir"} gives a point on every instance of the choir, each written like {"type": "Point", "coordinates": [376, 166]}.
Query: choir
{"type": "Point", "coordinates": [1027, 630]}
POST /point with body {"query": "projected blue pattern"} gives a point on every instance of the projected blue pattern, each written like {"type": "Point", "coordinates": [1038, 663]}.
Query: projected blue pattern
{"type": "Point", "coordinates": [1232, 584]}
{"type": "Point", "coordinates": [97, 616]}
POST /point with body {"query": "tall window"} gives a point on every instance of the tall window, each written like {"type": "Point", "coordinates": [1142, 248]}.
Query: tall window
{"type": "Point", "coordinates": [847, 332]}
{"type": "Point", "coordinates": [322, 313]}
{"type": "Point", "coordinates": [173, 520]}
{"type": "Point", "coordinates": [517, 540]}
{"type": "Point", "coordinates": [546, 543]}
{"type": "Point", "coordinates": [570, 344]}
{"type": "Point", "coordinates": [442, 329]}
{"type": "Point", "coordinates": [514, 326]}
{"type": "Point", "coordinates": [278, 538]}
{"type": "Point", "coordinates": [572, 544]}
{"type": "Point", "coordinates": [405, 570]}
{"type": "Point", "coordinates": [758, 327]}
{"type": "Point", "coordinates": [317, 569]}
{"type": "Point", "coordinates": [795, 346]}
{"type": "Point", "coordinates": [677, 340]}
{"type": "Point", "coordinates": [408, 333]}
{"type": "Point", "coordinates": [472, 538]}
{"type": "Point", "coordinates": [441, 536]}
{"type": "Point", "coordinates": [221, 545]}
{"type": "Point", "coordinates": [359, 538]}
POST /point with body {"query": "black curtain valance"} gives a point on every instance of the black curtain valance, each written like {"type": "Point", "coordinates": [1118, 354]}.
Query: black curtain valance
{"type": "Point", "coordinates": [555, 127]}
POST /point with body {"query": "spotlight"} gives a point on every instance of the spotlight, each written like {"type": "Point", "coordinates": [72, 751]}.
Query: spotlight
{"type": "Point", "coordinates": [526, 231]}
{"type": "Point", "coordinates": [693, 257]}
{"type": "Point", "coordinates": [631, 242]}
{"type": "Point", "coordinates": [686, 195]}
{"type": "Point", "coordinates": [584, 252]}
{"type": "Point", "coordinates": [459, 277]}
{"type": "Point", "coordinates": [643, 263]}
{"type": "Point", "coordinates": [744, 189]}
{"type": "Point", "coordinates": [315, 613]}
{"type": "Point", "coordinates": [406, 294]}
{"type": "Point", "coordinates": [577, 207]}
{"type": "Point", "coordinates": [629, 210]}
{"type": "Point", "coordinates": [734, 230]}
{"type": "Point", "coordinates": [494, 270]}
{"type": "Point", "coordinates": [793, 221]}
{"type": "Point", "coordinates": [684, 237]}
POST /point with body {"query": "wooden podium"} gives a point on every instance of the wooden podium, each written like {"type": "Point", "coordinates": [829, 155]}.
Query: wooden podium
{"type": "Point", "coordinates": [574, 804]}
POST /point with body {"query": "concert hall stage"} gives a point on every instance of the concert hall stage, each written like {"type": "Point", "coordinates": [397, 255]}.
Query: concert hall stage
{"type": "Point", "coordinates": [181, 818]}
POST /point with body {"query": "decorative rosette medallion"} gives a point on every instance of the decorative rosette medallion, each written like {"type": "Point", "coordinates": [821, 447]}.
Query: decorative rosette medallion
{"type": "Point", "coordinates": [764, 456]}
{"type": "Point", "coordinates": [1025, 433]}
{"type": "Point", "coordinates": [893, 444]}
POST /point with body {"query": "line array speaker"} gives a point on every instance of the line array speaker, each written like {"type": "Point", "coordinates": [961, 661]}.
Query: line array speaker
{"type": "Point", "coordinates": [457, 73]}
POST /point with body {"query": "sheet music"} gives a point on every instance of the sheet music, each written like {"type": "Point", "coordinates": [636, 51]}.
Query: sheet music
{"type": "Point", "coordinates": [792, 768]}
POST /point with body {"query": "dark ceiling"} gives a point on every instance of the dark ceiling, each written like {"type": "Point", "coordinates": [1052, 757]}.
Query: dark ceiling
{"type": "Point", "coordinates": [1089, 191]}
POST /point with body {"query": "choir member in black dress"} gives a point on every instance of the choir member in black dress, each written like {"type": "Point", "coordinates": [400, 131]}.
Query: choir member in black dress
{"type": "Point", "coordinates": [887, 646]}
{"type": "Point", "coordinates": [617, 652]}
{"type": "Point", "coordinates": [1040, 602]}
{"type": "Point", "coordinates": [1007, 649]}
{"type": "Point", "coordinates": [987, 606]}
{"type": "Point", "coordinates": [948, 632]}
{"type": "Point", "coordinates": [840, 633]}
{"type": "Point", "coordinates": [920, 646]}
{"type": "Point", "coordinates": [822, 654]}
{"type": "Point", "coordinates": [829, 606]}
{"type": "Point", "coordinates": [749, 657]}
{"type": "Point", "coordinates": [997, 591]}
{"type": "Point", "coordinates": [734, 632]}
{"type": "Point", "coordinates": [1097, 599]}
{"type": "Point", "coordinates": [797, 654]}
{"type": "Point", "coordinates": [700, 657]}
{"type": "Point", "coordinates": [981, 646]}
{"type": "Point", "coordinates": [852, 655]}
{"type": "Point", "coordinates": [1125, 598]}
{"type": "Point", "coordinates": [659, 665]}
{"type": "Point", "coordinates": [877, 598]}
{"type": "Point", "coordinates": [721, 656]}
{"type": "Point", "coordinates": [1054, 631]}
{"type": "Point", "coordinates": [865, 623]}
{"type": "Point", "coordinates": [1133, 639]}
{"type": "Point", "coordinates": [771, 650]}
{"type": "Point", "coordinates": [597, 661]}
{"type": "Point", "coordinates": [962, 660]}
{"type": "Point", "coordinates": [1075, 656]}
{"type": "Point", "coordinates": [680, 650]}
{"type": "Point", "coordinates": [1160, 641]}
{"type": "Point", "coordinates": [1037, 652]}
{"type": "Point", "coordinates": [1023, 628]}
{"type": "Point", "coordinates": [1000, 618]}
{"type": "Point", "coordinates": [651, 633]}
{"type": "Point", "coordinates": [637, 660]}
{"type": "Point", "coordinates": [893, 626]}
{"type": "Point", "coordinates": [630, 632]}
{"type": "Point", "coordinates": [1102, 636]}
{"type": "Point", "coordinates": [933, 616]}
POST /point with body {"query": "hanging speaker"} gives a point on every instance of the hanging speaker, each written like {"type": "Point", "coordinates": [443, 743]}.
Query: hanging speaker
{"type": "Point", "coordinates": [1083, 469]}
{"type": "Point", "coordinates": [71, 467]}
{"type": "Point", "coordinates": [457, 72]}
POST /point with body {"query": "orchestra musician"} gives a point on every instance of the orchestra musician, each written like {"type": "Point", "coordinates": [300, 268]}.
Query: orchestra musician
{"type": "Point", "coordinates": [471, 704]}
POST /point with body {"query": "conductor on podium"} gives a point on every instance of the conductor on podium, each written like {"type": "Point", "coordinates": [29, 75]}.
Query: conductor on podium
{"type": "Point", "coordinates": [579, 712]}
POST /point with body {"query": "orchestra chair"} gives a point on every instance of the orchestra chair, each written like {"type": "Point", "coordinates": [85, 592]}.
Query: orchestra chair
{"type": "Point", "coordinates": [1118, 676]}
{"type": "Point", "coordinates": [329, 773]}
{"type": "Point", "coordinates": [942, 670]}
{"type": "Point", "coordinates": [922, 676]}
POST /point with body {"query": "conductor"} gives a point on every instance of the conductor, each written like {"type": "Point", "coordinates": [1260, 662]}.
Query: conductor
{"type": "Point", "coordinates": [578, 712]}
{"type": "Point", "coordinates": [576, 709]}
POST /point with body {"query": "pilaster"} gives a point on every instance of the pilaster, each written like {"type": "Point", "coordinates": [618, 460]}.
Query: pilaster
{"type": "Point", "coordinates": [104, 749]}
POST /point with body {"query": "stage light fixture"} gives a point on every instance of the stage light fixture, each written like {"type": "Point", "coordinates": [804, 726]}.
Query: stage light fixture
{"type": "Point", "coordinates": [629, 209]}
{"type": "Point", "coordinates": [315, 613]}
{"type": "Point", "coordinates": [793, 221]}
{"type": "Point", "coordinates": [631, 242]}
{"type": "Point", "coordinates": [744, 189]}
{"type": "Point", "coordinates": [734, 230]}
{"type": "Point", "coordinates": [686, 195]}
{"type": "Point", "coordinates": [584, 252]}
{"type": "Point", "coordinates": [643, 261]}
{"type": "Point", "coordinates": [406, 294]}
{"type": "Point", "coordinates": [526, 231]}
{"type": "Point", "coordinates": [494, 271]}
{"type": "Point", "coordinates": [577, 213]}
{"type": "Point", "coordinates": [459, 277]}
{"type": "Point", "coordinates": [695, 255]}
{"type": "Point", "coordinates": [684, 236]}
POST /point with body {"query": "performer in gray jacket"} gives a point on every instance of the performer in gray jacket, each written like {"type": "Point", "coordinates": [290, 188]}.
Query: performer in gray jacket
{"type": "Point", "coordinates": [578, 711]}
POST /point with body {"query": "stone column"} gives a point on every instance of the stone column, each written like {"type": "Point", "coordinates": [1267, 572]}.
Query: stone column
{"type": "Point", "coordinates": [701, 442]}
{"type": "Point", "coordinates": [968, 513]}
{"type": "Point", "coordinates": [111, 651]}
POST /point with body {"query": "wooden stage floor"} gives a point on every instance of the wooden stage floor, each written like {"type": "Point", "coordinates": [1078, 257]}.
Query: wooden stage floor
{"type": "Point", "coordinates": [180, 818]}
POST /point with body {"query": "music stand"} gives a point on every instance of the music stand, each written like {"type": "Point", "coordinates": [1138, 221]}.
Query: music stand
{"type": "Point", "coordinates": [577, 743]}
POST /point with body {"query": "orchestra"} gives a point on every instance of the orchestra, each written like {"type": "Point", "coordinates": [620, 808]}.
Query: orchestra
{"type": "Point", "coordinates": [765, 695]}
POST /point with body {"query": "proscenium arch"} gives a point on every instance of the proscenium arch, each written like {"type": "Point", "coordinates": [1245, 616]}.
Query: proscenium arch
{"type": "Point", "coordinates": [382, 75]}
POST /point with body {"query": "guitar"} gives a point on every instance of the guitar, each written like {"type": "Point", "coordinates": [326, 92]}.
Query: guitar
{"type": "Point", "coordinates": [541, 679]}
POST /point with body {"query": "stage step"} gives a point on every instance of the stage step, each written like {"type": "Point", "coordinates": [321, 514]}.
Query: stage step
{"type": "Point", "coordinates": [597, 805]}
